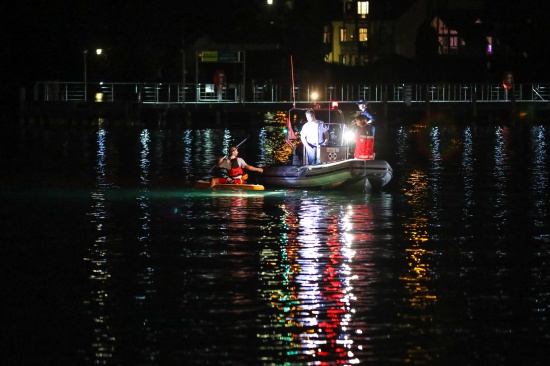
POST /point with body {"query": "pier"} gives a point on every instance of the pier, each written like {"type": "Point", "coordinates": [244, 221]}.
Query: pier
{"type": "Point", "coordinates": [192, 104]}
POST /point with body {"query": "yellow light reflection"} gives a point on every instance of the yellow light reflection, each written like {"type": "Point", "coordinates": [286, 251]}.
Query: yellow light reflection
{"type": "Point", "coordinates": [416, 230]}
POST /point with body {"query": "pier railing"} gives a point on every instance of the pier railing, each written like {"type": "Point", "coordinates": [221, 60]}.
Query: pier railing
{"type": "Point", "coordinates": [174, 93]}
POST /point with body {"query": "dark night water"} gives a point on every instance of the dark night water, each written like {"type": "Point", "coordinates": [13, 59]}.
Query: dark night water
{"type": "Point", "coordinates": [110, 257]}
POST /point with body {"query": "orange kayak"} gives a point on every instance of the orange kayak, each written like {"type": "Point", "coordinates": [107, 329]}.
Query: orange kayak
{"type": "Point", "coordinates": [246, 186]}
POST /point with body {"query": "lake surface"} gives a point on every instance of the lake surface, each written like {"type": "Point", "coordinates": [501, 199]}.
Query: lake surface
{"type": "Point", "coordinates": [110, 257]}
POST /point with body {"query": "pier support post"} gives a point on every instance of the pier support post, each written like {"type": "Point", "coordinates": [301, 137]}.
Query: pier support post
{"type": "Point", "coordinates": [513, 102]}
{"type": "Point", "coordinates": [427, 101]}
{"type": "Point", "coordinates": [474, 101]}
{"type": "Point", "coordinates": [385, 101]}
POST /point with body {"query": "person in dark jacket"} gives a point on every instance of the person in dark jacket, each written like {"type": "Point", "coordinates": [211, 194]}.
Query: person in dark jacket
{"type": "Point", "coordinates": [363, 106]}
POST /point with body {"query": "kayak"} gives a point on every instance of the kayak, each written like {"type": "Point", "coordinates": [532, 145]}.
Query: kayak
{"type": "Point", "coordinates": [245, 186]}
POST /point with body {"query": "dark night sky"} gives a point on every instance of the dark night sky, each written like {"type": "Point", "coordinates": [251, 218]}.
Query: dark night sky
{"type": "Point", "coordinates": [44, 40]}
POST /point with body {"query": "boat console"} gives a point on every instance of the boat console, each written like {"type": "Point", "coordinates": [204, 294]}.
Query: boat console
{"type": "Point", "coordinates": [331, 154]}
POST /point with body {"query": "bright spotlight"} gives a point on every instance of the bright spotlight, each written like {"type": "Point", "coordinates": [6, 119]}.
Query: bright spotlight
{"type": "Point", "coordinates": [350, 136]}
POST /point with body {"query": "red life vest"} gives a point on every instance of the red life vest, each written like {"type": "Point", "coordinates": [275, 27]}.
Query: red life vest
{"type": "Point", "coordinates": [364, 144]}
{"type": "Point", "coordinates": [235, 170]}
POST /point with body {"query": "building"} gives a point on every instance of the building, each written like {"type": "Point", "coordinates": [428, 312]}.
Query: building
{"type": "Point", "coordinates": [411, 33]}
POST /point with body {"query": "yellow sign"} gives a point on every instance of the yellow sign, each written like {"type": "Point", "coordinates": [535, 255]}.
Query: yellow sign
{"type": "Point", "coordinates": [209, 56]}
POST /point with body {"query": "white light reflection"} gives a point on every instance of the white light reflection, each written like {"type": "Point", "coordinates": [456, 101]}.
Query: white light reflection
{"type": "Point", "coordinates": [401, 142]}
{"type": "Point", "coordinates": [265, 152]}
{"type": "Point", "coordinates": [227, 141]}
{"type": "Point", "coordinates": [144, 157]}
{"type": "Point", "coordinates": [204, 145]}
{"type": "Point", "coordinates": [500, 155]}
{"type": "Point", "coordinates": [187, 163]}
{"type": "Point", "coordinates": [103, 343]}
{"type": "Point", "coordinates": [145, 277]}
{"type": "Point", "coordinates": [435, 144]}
{"type": "Point", "coordinates": [468, 173]}
{"type": "Point", "coordinates": [539, 175]}
{"type": "Point", "coordinates": [501, 174]}
{"type": "Point", "coordinates": [310, 272]}
{"type": "Point", "coordinates": [314, 304]}
{"type": "Point", "coordinates": [435, 173]}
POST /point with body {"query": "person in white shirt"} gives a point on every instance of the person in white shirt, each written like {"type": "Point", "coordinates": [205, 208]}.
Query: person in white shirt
{"type": "Point", "coordinates": [313, 134]}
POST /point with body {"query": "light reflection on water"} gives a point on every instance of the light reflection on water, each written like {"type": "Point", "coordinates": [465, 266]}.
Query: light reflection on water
{"type": "Point", "coordinates": [323, 260]}
{"type": "Point", "coordinates": [103, 344]}
{"type": "Point", "coordinates": [448, 265]}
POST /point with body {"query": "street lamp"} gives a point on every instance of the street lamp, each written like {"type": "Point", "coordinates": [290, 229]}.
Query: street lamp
{"type": "Point", "coordinates": [98, 52]}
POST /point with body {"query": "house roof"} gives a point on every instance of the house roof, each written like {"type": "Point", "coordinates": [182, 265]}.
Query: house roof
{"type": "Point", "coordinates": [468, 24]}
{"type": "Point", "coordinates": [390, 9]}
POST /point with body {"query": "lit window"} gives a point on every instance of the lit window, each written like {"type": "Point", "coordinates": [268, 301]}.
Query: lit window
{"type": "Point", "coordinates": [362, 34]}
{"type": "Point", "coordinates": [342, 34]}
{"type": "Point", "coordinates": [489, 45]}
{"type": "Point", "coordinates": [453, 41]}
{"type": "Point", "coordinates": [449, 41]}
{"type": "Point", "coordinates": [362, 8]}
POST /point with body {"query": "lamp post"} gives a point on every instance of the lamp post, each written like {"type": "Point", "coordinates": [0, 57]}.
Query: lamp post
{"type": "Point", "coordinates": [85, 53]}
{"type": "Point", "coordinates": [98, 52]}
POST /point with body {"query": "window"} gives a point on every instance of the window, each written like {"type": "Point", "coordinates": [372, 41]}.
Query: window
{"type": "Point", "coordinates": [489, 45]}
{"type": "Point", "coordinates": [362, 8]}
{"type": "Point", "coordinates": [348, 7]}
{"type": "Point", "coordinates": [342, 34]}
{"type": "Point", "coordinates": [363, 34]}
{"type": "Point", "coordinates": [449, 41]}
{"type": "Point", "coordinates": [326, 34]}
{"type": "Point", "coordinates": [343, 59]}
{"type": "Point", "coordinates": [453, 42]}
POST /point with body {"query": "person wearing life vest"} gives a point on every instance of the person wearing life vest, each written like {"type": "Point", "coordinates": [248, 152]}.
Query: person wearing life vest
{"type": "Point", "coordinates": [364, 139]}
{"type": "Point", "coordinates": [234, 166]}
{"type": "Point", "coordinates": [363, 106]}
